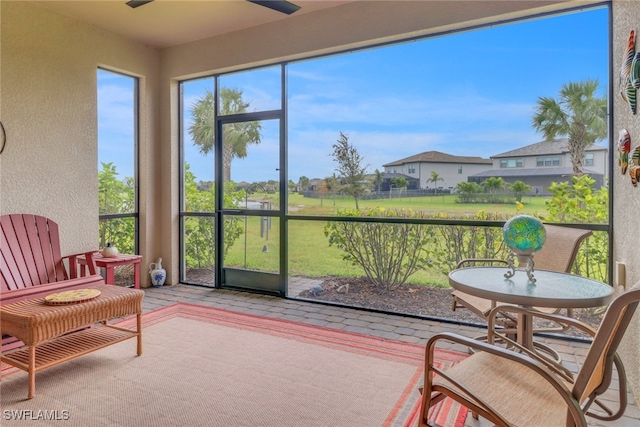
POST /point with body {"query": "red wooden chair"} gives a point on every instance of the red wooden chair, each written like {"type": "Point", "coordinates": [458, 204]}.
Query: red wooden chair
{"type": "Point", "coordinates": [31, 264]}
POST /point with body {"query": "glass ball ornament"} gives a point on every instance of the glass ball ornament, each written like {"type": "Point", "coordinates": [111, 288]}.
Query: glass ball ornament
{"type": "Point", "coordinates": [524, 234]}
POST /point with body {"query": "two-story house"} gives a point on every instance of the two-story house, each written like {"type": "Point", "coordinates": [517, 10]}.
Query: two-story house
{"type": "Point", "coordinates": [545, 162]}
{"type": "Point", "coordinates": [450, 169]}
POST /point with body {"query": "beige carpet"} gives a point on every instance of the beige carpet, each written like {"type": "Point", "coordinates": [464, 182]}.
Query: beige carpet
{"type": "Point", "coordinates": [208, 367]}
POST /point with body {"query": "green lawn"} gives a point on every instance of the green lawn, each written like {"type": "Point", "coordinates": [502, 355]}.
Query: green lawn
{"type": "Point", "coordinates": [309, 252]}
{"type": "Point", "coordinates": [300, 205]}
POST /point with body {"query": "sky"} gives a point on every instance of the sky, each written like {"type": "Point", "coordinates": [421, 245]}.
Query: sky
{"type": "Point", "coordinates": [471, 94]}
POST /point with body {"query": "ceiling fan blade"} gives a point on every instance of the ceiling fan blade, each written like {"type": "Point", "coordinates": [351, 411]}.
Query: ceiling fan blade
{"type": "Point", "coordinates": [278, 5]}
{"type": "Point", "coordinates": [138, 3]}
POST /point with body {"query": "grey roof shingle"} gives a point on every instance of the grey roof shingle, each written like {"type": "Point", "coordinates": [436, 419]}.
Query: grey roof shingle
{"type": "Point", "coordinates": [438, 157]}
{"type": "Point", "coordinates": [544, 148]}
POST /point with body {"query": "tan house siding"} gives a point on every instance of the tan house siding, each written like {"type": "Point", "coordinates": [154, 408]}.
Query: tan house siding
{"type": "Point", "coordinates": [452, 169]}
{"type": "Point", "coordinates": [530, 154]}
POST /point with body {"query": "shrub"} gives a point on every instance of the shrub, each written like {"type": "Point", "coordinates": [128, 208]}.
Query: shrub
{"type": "Point", "coordinates": [452, 243]}
{"type": "Point", "coordinates": [389, 253]}
{"type": "Point", "coordinates": [199, 245]}
{"type": "Point", "coordinates": [116, 197]}
{"type": "Point", "coordinates": [578, 202]}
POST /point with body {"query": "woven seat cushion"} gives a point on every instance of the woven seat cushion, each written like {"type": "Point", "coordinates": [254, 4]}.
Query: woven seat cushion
{"type": "Point", "coordinates": [519, 394]}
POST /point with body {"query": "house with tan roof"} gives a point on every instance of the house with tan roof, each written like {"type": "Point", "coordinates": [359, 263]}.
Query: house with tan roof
{"type": "Point", "coordinates": [545, 162]}
{"type": "Point", "coordinates": [452, 169]}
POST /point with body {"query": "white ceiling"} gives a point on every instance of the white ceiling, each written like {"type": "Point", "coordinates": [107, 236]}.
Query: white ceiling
{"type": "Point", "coordinates": [164, 23]}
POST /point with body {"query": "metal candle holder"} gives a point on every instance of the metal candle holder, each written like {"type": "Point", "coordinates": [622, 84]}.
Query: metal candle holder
{"type": "Point", "coordinates": [522, 259]}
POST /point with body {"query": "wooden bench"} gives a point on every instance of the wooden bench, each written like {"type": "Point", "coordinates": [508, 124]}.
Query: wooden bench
{"type": "Point", "coordinates": [31, 264]}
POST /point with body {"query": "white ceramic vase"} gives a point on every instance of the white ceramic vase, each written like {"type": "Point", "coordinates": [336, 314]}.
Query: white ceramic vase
{"type": "Point", "coordinates": [157, 273]}
{"type": "Point", "coordinates": [109, 251]}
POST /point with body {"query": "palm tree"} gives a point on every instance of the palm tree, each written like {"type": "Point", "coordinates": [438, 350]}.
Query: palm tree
{"type": "Point", "coordinates": [378, 180]}
{"type": "Point", "coordinates": [466, 187]}
{"type": "Point", "coordinates": [399, 182]}
{"type": "Point", "coordinates": [237, 136]}
{"type": "Point", "coordinates": [467, 190]}
{"type": "Point", "coordinates": [435, 177]}
{"type": "Point", "coordinates": [577, 114]}
{"type": "Point", "coordinates": [519, 189]}
{"type": "Point", "coordinates": [494, 184]}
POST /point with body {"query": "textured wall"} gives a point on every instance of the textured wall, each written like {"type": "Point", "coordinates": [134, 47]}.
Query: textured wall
{"type": "Point", "coordinates": [626, 200]}
{"type": "Point", "coordinates": [48, 87]}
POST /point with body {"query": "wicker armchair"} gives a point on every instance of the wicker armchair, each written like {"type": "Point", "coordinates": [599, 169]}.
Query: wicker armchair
{"type": "Point", "coordinates": [521, 389]}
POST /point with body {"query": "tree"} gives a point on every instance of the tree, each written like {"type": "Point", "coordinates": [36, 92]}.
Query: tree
{"type": "Point", "coordinates": [399, 182]}
{"type": "Point", "coordinates": [519, 189]}
{"type": "Point", "coordinates": [322, 190]}
{"type": "Point", "coordinates": [435, 177]}
{"type": "Point", "coordinates": [199, 232]}
{"type": "Point", "coordinates": [116, 197]}
{"type": "Point", "coordinates": [577, 114]}
{"type": "Point", "coordinates": [467, 187]}
{"type": "Point", "coordinates": [236, 136]}
{"type": "Point", "coordinates": [467, 190]}
{"type": "Point", "coordinates": [350, 168]}
{"type": "Point", "coordinates": [304, 182]}
{"type": "Point", "coordinates": [377, 180]}
{"type": "Point", "coordinates": [494, 184]}
{"type": "Point", "coordinates": [332, 185]}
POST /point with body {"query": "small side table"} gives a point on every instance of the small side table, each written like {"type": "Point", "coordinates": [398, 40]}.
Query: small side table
{"type": "Point", "coordinates": [109, 264]}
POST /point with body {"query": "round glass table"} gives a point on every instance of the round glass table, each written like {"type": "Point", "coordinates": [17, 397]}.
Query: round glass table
{"type": "Point", "coordinates": [551, 289]}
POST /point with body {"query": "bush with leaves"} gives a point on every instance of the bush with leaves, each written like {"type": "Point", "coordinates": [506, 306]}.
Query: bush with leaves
{"type": "Point", "coordinates": [200, 231]}
{"type": "Point", "coordinates": [472, 192]}
{"type": "Point", "coordinates": [494, 184]}
{"type": "Point", "coordinates": [452, 243]}
{"type": "Point", "coordinates": [519, 189]}
{"type": "Point", "coordinates": [578, 202]}
{"type": "Point", "coordinates": [116, 197]}
{"type": "Point", "coordinates": [467, 190]}
{"type": "Point", "coordinates": [389, 253]}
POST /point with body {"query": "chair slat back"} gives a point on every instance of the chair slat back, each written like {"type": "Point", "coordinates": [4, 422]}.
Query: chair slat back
{"type": "Point", "coordinates": [597, 370]}
{"type": "Point", "coordinates": [29, 252]}
{"type": "Point", "coordinates": [560, 249]}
